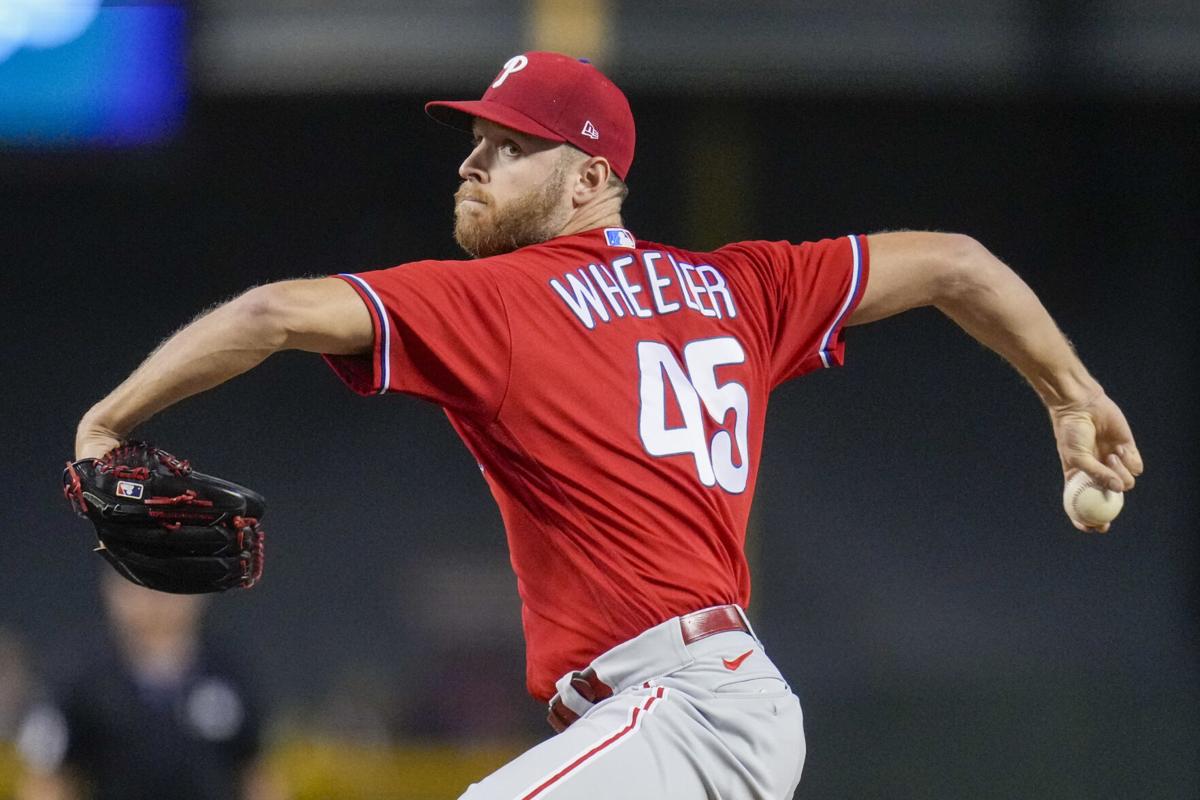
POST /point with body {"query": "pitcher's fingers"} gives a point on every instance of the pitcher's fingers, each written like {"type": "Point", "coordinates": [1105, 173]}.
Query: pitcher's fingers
{"type": "Point", "coordinates": [1131, 456]}
{"type": "Point", "coordinates": [1079, 526]}
{"type": "Point", "coordinates": [1118, 466]}
{"type": "Point", "coordinates": [1100, 473]}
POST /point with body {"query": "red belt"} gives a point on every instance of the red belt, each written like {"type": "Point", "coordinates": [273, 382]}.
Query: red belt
{"type": "Point", "coordinates": [694, 626]}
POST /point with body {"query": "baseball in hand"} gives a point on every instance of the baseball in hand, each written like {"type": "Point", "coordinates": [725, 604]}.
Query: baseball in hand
{"type": "Point", "coordinates": [1092, 504]}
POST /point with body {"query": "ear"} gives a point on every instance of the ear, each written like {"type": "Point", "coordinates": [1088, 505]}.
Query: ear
{"type": "Point", "coordinates": [591, 178]}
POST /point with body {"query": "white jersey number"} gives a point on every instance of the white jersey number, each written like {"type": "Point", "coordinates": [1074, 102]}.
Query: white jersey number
{"type": "Point", "coordinates": [692, 387]}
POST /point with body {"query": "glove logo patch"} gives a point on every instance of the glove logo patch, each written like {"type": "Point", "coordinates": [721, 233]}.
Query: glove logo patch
{"type": "Point", "coordinates": [129, 489]}
{"type": "Point", "coordinates": [165, 527]}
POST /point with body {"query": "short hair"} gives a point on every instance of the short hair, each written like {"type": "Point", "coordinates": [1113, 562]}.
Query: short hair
{"type": "Point", "coordinates": [619, 185]}
{"type": "Point", "coordinates": [572, 152]}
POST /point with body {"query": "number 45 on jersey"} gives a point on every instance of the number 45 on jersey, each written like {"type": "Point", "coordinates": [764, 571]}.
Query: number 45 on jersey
{"type": "Point", "coordinates": [694, 384]}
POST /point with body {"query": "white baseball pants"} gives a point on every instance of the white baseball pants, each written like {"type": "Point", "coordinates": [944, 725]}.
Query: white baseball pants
{"type": "Point", "coordinates": [712, 720]}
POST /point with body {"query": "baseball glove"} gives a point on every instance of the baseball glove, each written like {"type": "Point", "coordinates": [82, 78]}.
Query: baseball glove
{"type": "Point", "coordinates": [165, 527]}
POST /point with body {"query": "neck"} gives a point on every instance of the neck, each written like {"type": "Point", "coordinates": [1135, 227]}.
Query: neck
{"type": "Point", "coordinates": [604, 213]}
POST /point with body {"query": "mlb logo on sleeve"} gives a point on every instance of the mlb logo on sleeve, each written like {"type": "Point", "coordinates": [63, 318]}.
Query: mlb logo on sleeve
{"type": "Point", "coordinates": [129, 489]}
{"type": "Point", "coordinates": [619, 237]}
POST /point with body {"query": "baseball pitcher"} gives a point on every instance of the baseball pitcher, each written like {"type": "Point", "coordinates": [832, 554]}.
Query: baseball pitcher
{"type": "Point", "coordinates": [614, 390]}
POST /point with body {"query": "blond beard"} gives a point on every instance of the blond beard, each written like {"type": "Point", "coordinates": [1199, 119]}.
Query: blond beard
{"type": "Point", "coordinates": [530, 219]}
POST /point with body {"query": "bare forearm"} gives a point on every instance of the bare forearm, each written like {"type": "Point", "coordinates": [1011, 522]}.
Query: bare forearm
{"type": "Point", "coordinates": [322, 315]}
{"type": "Point", "coordinates": [987, 299]}
{"type": "Point", "coordinates": [991, 303]}
{"type": "Point", "coordinates": [220, 345]}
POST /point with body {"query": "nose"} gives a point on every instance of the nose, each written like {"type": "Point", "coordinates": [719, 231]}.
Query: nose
{"type": "Point", "coordinates": [472, 166]}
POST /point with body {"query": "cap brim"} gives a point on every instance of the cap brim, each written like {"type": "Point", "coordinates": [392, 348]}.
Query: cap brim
{"type": "Point", "coordinates": [460, 113]}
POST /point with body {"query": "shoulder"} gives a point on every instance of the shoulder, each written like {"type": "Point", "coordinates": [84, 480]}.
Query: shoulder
{"type": "Point", "coordinates": [432, 278]}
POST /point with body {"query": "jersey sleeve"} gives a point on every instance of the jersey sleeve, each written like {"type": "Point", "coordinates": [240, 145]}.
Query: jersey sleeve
{"type": "Point", "coordinates": [441, 333]}
{"type": "Point", "coordinates": [812, 288]}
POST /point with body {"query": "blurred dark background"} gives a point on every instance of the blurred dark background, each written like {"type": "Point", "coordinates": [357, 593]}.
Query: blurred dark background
{"type": "Point", "coordinates": [948, 631]}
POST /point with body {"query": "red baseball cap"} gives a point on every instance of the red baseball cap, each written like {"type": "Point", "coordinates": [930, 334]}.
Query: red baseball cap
{"type": "Point", "coordinates": [554, 97]}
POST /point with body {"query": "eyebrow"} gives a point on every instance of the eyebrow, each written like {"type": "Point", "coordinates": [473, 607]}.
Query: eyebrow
{"type": "Point", "coordinates": [502, 133]}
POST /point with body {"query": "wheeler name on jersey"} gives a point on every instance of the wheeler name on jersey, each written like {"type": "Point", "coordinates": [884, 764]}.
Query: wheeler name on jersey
{"type": "Point", "coordinates": [642, 285]}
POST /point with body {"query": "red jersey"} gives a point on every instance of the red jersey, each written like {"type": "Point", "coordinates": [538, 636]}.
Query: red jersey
{"type": "Point", "coordinates": [613, 391]}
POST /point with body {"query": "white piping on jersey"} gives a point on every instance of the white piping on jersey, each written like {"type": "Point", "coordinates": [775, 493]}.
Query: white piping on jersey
{"type": "Point", "coordinates": [385, 332]}
{"type": "Point", "coordinates": [855, 275]}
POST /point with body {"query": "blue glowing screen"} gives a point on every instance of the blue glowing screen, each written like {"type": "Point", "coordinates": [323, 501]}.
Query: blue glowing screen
{"type": "Point", "coordinates": [77, 72]}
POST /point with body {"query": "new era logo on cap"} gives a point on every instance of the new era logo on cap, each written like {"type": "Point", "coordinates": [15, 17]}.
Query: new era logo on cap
{"type": "Point", "coordinates": [554, 97]}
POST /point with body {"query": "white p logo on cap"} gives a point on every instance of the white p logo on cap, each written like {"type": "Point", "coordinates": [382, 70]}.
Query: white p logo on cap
{"type": "Point", "coordinates": [514, 64]}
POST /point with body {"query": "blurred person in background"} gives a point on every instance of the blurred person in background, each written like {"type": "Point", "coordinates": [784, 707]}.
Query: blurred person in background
{"type": "Point", "coordinates": [17, 688]}
{"type": "Point", "coordinates": [156, 714]}
{"type": "Point", "coordinates": [16, 682]}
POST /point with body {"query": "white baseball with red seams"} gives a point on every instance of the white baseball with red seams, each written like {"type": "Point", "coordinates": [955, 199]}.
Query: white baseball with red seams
{"type": "Point", "coordinates": [1090, 503]}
